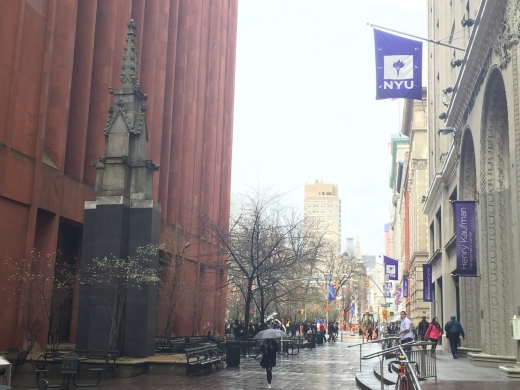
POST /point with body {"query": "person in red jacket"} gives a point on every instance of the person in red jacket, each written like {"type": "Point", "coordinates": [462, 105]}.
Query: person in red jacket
{"type": "Point", "coordinates": [433, 333]}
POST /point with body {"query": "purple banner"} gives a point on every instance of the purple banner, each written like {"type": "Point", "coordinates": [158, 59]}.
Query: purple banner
{"type": "Point", "coordinates": [427, 283]}
{"type": "Point", "coordinates": [391, 268]}
{"type": "Point", "coordinates": [466, 238]}
{"type": "Point", "coordinates": [405, 287]}
{"type": "Point", "coordinates": [398, 292]}
{"type": "Point", "coordinates": [398, 66]}
{"type": "Point", "coordinates": [332, 294]}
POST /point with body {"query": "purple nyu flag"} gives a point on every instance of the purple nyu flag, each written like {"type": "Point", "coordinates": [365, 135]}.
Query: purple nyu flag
{"type": "Point", "coordinates": [398, 66]}
{"type": "Point", "coordinates": [391, 268]}
{"type": "Point", "coordinates": [427, 283]}
{"type": "Point", "coordinates": [405, 287]}
{"type": "Point", "coordinates": [466, 238]}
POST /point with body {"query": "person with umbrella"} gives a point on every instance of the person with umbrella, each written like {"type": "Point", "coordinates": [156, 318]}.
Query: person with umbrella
{"type": "Point", "coordinates": [269, 349]}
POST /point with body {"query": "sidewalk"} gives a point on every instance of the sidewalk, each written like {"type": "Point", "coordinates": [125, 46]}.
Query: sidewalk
{"type": "Point", "coordinates": [329, 366]}
{"type": "Point", "coordinates": [455, 374]}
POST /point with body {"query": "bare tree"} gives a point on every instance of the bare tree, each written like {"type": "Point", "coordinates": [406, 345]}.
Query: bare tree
{"type": "Point", "coordinates": [340, 267]}
{"type": "Point", "coordinates": [120, 275]}
{"type": "Point", "coordinates": [172, 286]}
{"type": "Point", "coordinates": [264, 242]}
{"type": "Point", "coordinates": [43, 289]}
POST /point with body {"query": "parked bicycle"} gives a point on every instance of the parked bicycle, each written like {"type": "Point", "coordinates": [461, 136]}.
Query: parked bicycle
{"type": "Point", "coordinates": [403, 379]}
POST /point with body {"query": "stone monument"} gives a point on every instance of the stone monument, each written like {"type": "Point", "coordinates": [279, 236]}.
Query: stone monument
{"type": "Point", "coordinates": [122, 219]}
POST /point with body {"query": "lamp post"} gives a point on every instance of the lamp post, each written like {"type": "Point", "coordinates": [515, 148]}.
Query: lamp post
{"type": "Point", "coordinates": [327, 282]}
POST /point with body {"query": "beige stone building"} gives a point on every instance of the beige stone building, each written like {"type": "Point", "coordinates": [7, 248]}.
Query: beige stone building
{"type": "Point", "coordinates": [473, 96]}
{"type": "Point", "coordinates": [322, 205]}
{"type": "Point", "coordinates": [414, 222]}
{"type": "Point", "coordinates": [399, 151]}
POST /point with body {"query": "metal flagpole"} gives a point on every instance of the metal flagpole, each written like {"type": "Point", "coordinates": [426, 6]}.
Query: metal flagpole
{"type": "Point", "coordinates": [415, 36]}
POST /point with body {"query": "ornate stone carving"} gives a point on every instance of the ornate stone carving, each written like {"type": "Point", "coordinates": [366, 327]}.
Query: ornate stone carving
{"type": "Point", "coordinates": [129, 76]}
{"type": "Point", "coordinates": [419, 163]}
{"type": "Point", "coordinates": [478, 84]}
{"type": "Point", "coordinates": [495, 221]}
{"type": "Point", "coordinates": [469, 287]}
{"type": "Point", "coordinates": [509, 33]}
{"type": "Point", "coordinates": [516, 110]}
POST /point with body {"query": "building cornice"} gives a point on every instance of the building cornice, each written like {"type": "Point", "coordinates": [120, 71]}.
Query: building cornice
{"type": "Point", "coordinates": [433, 194]}
{"type": "Point", "coordinates": [396, 141]}
{"type": "Point", "coordinates": [480, 44]}
{"type": "Point", "coordinates": [451, 243]}
{"type": "Point", "coordinates": [444, 177]}
{"type": "Point", "coordinates": [406, 127]}
{"type": "Point", "coordinates": [437, 255]}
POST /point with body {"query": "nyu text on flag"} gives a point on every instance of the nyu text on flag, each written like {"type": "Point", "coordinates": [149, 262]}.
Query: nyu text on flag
{"type": "Point", "coordinates": [391, 268]}
{"type": "Point", "coordinates": [398, 67]}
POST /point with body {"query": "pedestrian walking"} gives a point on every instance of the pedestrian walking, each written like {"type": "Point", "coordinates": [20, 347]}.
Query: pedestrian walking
{"type": "Point", "coordinates": [454, 330]}
{"type": "Point", "coordinates": [422, 328]}
{"type": "Point", "coordinates": [391, 329]}
{"type": "Point", "coordinates": [370, 331]}
{"type": "Point", "coordinates": [322, 330]}
{"type": "Point", "coordinates": [406, 332]}
{"type": "Point", "coordinates": [331, 330]}
{"type": "Point", "coordinates": [269, 349]}
{"type": "Point", "coordinates": [433, 333]}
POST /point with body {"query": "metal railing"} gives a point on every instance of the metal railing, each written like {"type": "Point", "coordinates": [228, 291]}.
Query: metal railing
{"type": "Point", "coordinates": [395, 340]}
{"type": "Point", "coordinates": [426, 363]}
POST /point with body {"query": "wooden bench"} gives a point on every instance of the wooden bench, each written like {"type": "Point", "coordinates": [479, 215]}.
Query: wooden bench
{"type": "Point", "coordinates": [179, 344]}
{"type": "Point", "coordinates": [202, 358]}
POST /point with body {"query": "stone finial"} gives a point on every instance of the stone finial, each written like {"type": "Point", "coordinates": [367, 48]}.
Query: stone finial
{"type": "Point", "coordinates": [129, 76]}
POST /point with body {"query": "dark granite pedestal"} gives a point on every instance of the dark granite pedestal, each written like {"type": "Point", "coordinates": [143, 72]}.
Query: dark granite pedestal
{"type": "Point", "coordinates": [115, 227]}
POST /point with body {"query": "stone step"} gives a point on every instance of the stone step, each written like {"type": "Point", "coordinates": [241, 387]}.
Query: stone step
{"type": "Point", "coordinates": [485, 360]}
{"type": "Point", "coordinates": [390, 378]}
{"type": "Point", "coordinates": [370, 379]}
{"type": "Point", "coordinates": [512, 372]}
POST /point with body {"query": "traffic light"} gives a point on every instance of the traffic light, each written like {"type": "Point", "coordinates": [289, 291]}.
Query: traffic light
{"type": "Point", "coordinates": [301, 311]}
{"type": "Point", "coordinates": [336, 285]}
{"type": "Point", "coordinates": [367, 282]}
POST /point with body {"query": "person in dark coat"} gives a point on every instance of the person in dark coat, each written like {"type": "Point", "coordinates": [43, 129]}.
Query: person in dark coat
{"type": "Point", "coordinates": [422, 328]}
{"type": "Point", "coordinates": [454, 330]}
{"type": "Point", "coordinates": [269, 349]}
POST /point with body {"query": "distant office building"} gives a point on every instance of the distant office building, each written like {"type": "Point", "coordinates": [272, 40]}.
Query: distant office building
{"type": "Point", "coordinates": [350, 245]}
{"type": "Point", "coordinates": [323, 206]}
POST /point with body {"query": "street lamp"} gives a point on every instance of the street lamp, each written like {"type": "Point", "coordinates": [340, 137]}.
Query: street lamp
{"type": "Point", "coordinates": [327, 282]}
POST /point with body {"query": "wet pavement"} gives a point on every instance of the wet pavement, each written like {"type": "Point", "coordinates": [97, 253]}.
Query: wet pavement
{"type": "Point", "coordinates": [329, 366]}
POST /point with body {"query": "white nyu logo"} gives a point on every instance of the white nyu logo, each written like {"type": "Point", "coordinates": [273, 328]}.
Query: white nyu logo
{"type": "Point", "coordinates": [390, 270]}
{"type": "Point", "coordinates": [398, 72]}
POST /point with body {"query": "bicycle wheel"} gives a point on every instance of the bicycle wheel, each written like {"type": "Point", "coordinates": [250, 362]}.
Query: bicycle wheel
{"type": "Point", "coordinates": [398, 384]}
{"type": "Point", "coordinates": [403, 383]}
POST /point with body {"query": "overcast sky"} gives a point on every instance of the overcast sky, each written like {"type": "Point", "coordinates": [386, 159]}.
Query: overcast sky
{"type": "Point", "coordinates": [305, 105]}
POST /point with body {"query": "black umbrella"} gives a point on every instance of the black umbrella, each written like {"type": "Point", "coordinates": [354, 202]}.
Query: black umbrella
{"type": "Point", "coordinates": [270, 334]}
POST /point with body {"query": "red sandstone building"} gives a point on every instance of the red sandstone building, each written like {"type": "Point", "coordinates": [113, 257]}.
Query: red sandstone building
{"type": "Point", "coordinates": [59, 58]}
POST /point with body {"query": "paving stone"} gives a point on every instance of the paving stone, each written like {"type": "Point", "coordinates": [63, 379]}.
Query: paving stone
{"type": "Point", "coordinates": [329, 366]}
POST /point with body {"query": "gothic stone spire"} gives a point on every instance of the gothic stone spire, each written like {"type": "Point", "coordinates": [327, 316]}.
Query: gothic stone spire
{"type": "Point", "coordinates": [129, 76]}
